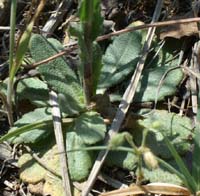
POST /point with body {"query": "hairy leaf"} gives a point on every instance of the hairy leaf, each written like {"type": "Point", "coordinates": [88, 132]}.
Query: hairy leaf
{"type": "Point", "coordinates": [120, 59]}
{"type": "Point", "coordinates": [30, 170]}
{"type": "Point", "coordinates": [90, 127]}
{"type": "Point", "coordinates": [160, 77]}
{"type": "Point", "coordinates": [53, 186]}
{"type": "Point", "coordinates": [161, 175]}
{"type": "Point", "coordinates": [33, 89]}
{"type": "Point", "coordinates": [149, 84]}
{"type": "Point", "coordinates": [79, 162]}
{"type": "Point", "coordinates": [59, 76]}
{"type": "Point", "coordinates": [34, 135]}
{"type": "Point", "coordinates": [175, 127]}
{"type": "Point", "coordinates": [165, 61]}
{"type": "Point", "coordinates": [121, 159]}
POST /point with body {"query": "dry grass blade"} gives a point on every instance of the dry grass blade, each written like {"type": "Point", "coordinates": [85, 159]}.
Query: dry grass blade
{"type": "Point", "coordinates": [60, 142]}
{"type": "Point", "coordinates": [157, 188]}
{"type": "Point", "coordinates": [50, 26]}
{"type": "Point", "coordinates": [125, 103]}
{"type": "Point", "coordinates": [193, 82]}
{"type": "Point", "coordinates": [56, 18]}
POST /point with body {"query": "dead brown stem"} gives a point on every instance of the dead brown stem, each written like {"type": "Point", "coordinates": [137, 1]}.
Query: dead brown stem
{"type": "Point", "coordinates": [126, 30]}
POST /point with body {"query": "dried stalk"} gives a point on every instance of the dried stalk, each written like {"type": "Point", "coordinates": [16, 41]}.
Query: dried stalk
{"type": "Point", "coordinates": [60, 142]}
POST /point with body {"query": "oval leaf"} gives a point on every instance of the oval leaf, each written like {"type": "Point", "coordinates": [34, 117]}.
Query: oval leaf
{"type": "Point", "coordinates": [79, 162]}
{"type": "Point", "coordinates": [90, 127]}
{"type": "Point", "coordinates": [120, 59]}
{"type": "Point", "coordinates": [59, 76]}
{"type": "Point", "coordinates": [32, 136]}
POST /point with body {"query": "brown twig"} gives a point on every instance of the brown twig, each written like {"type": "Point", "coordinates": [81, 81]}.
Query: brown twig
{"type": "Point", "coordinates": [146, 26]}
{"type": "Point", "coordinates": [34, 65]}
{"type": "Point", "coordinates": [126, 30]}
{"type": "Point", "coordinates": [41, 162]}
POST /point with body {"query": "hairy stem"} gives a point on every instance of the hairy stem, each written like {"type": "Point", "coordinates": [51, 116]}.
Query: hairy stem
{"type": "Point", "coordinates": [87, 81]}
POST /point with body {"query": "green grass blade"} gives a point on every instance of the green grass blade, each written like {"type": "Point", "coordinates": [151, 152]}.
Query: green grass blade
{"type": "Point", "coordinates": [24, 40]}
{"type": "Point", "coordinates": [12, 31]}
{"type": "Point", "coordinates": [22, 46]}
{"type": "Point", "coordinates": [173, 170]}
{"type": "Point", "coordinates": [24, 129]}
{"type": "Point", "coordinates": [196, 158]}
{"type": "Point", "coordinates": [191, 184]}
{"type": "Point", "coordinates": [11, 52]}
{"type": "Point", "coordinates": [29, 127]}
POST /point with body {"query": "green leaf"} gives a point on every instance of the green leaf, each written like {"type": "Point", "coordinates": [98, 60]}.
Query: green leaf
{"type": "Point", "coordinates": [90, 127]}
{"type": "Point", "coordinates": [56, 44]}
{"type": "Point", "coordinates": [87, 31]}
{"type": "Point", "coordinates": [149, 84]}
{"type": "Point", "coordinates": [33, 89]}
{"type": "Point", "coordinates": [23, 41]}
{"type": "Point", "coordinates": [151, 77]}
{"type": "Point", "coordinates": [76, 30]}
{"type": "Point", "coordinates": [22, 133]}
{"type": "Point", "coordinates": [161, 175]}
{"type": "Point", "coordinates": [177, 128]}
{"type": "Point", "coordinates": [117, 140]}
{"type": "Point", "coordinates": [196, 157]}
{"type": "Point", "coordinates": [26, 128]}
{"type": "Point", "coordinates": [120, 59]}
{"type": "Point", "coordinates": [155, 69]}
{"type": "Point", "coordinates": [79, 162]}
{"type": "Point", "coordinates": [126, 160]}
{"type": "Point", "coordinates": [23, 45]}
{"type": "Point", "coordinates": [59, 76]}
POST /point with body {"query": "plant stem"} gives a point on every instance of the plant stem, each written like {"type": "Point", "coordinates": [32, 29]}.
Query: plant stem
{"type": "Point", "coordinates": [12, 31]}
{"type": "Point", "coordinates": [11, 53]}
{"type": "Point", "coordinates": [129, 139]}
{"type": "Point", "coordinates": [7, 107]}
{"type": "Point", "coordinates": [145, 132]}
{"type": "Point", "coordinates": [97, 148]}
{"type": "Point", "coordinates": [88, 60]}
